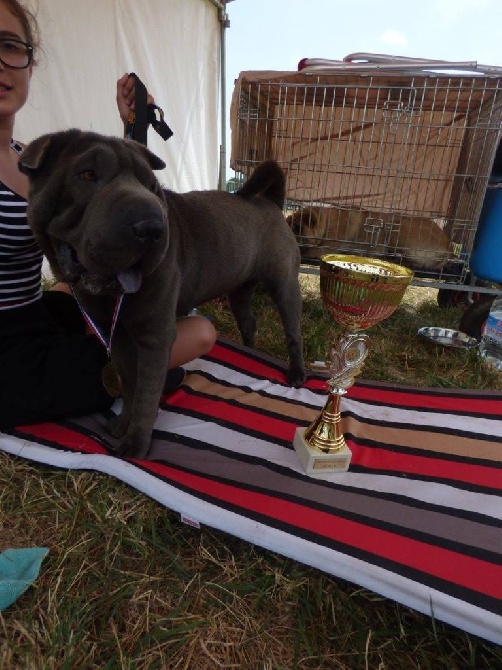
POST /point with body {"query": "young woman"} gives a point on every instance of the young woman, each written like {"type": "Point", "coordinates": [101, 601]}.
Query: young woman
{"type": "Point", "coordinates": [50, 366]}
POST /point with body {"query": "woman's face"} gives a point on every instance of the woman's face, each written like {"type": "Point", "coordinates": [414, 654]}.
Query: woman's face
{"type": "Point", "coordinates": [14, 84]}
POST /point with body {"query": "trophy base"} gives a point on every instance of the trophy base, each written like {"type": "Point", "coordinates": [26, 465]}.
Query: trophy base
{"type": "Point", "coordinates": [316, 463]}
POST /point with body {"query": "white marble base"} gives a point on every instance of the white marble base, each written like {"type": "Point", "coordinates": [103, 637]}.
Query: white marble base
{"type": "Point", "coordinates": [316, 463]}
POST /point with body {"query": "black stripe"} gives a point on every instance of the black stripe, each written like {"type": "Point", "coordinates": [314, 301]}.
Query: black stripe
{"type": "Point", "coordinates": [474, 597]}
{"type": "Point", "coordinates": [308, 503]}
{"type": "Point", "coordinates": [253, 432]}
{"type": "Point", "coordinates": [193, 443]}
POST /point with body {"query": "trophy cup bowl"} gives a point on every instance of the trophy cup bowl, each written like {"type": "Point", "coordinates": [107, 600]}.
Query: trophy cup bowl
{"type": "Point", "coordinates": [358, 292]}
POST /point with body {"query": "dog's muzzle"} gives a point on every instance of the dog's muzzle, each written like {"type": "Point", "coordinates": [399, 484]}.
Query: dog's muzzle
{"type": "Point", "coordinates": [73, 272]}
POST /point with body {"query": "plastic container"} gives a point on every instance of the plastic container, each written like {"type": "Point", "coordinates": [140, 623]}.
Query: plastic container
{"type": "Point", "coordinates": [486, 256]}
{"type": "Point", "coordinates": [490, 347]}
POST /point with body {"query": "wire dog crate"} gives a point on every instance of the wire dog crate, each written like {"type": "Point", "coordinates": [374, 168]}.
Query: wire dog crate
{"type": "Point", "coordinates": [384, 156]}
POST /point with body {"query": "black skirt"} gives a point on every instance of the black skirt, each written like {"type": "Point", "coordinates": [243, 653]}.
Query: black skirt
{"type": "Point", "coordinates": [49, 367]}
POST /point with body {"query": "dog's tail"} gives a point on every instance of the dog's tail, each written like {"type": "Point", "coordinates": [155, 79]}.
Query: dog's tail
{"type": "Point", "coordinates": [268, 181]}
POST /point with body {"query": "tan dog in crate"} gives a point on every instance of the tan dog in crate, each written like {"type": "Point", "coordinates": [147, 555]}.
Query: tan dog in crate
{"type": "Point", "coordinates": [420, 242]}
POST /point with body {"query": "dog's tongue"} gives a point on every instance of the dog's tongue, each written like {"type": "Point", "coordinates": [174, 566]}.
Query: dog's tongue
{"type": "Point", "coordinates": [130, 280]}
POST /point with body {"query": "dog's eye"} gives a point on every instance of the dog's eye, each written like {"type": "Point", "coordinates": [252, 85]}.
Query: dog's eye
{"type": "Point", "coordinates": [87, 175]}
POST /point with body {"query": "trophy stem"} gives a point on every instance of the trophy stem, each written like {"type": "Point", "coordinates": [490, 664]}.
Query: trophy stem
{"type": "Point", "coordinates": [325, 432]}
{"type": "Point", "coordinates": [347, 360]}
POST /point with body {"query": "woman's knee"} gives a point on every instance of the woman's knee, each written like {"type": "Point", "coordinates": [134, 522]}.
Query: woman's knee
{"type": "Point", "coordinates": [195, 336]}
{"type": "Point", "coordinates": [206, 334]}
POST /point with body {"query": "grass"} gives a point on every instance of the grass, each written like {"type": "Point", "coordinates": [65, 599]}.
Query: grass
{"type": "Point", "coordinates": [396, 354]}
{"type": "Point", "coordinates": [127, 586]}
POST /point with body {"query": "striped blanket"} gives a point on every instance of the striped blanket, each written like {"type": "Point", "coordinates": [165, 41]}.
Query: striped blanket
{"type": "Point", "coordinates": [416, 519]}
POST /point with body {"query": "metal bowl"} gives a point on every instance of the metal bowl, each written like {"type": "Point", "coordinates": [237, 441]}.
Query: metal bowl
{"type": "Point", "coordinates": [448, 337]}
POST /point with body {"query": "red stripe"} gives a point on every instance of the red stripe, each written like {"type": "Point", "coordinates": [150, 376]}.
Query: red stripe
{"type": "Point", "coordinates": [245, 363]}
{"type": "Point", "coordinates": [445, 564]}
{"type": "Point", "coordinates": [240, 417]}
{"type": "Point", "coordinates": [375, 458]}
{"type": "Point", "coordinates": [448, 402]}
{"type": "Point", "coordinates": [372, 458]}
{"type": "Point", "coordinates": [66, 437]}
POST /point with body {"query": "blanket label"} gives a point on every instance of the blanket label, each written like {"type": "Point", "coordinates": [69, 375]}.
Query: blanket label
{"type": "Point", "coordinates": [189, 521]}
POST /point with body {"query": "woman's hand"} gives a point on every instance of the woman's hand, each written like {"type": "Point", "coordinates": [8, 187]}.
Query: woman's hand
{"type": "Point", "coordinates": [125, 96]}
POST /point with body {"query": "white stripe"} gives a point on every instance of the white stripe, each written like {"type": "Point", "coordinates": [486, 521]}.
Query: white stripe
{"type": "Point", "coordinates": [33, 269]}
{"type": "Point", "coordinates": [234, 441]}
{"type": "Point", "coordinates": [15, 238]}
{"type": "Point", "coordinates": [22, 255]}
{"type": "Point", "coordinates": [13, 215]}
{"type": "Point", "coordinates": [424, 419]}
{"type": "Point", "coordinates": [237, 378]}
{"type": "Point", "coordinates": [20, 289]}
{"type": "Point", "coordinates": [35, 277]}
{"type": "Point", "coordinates": [22, 303]}
{"type": "Point", "coordinates": [489, 427]}
{"type": "Point", "coordinates": [11, 203]}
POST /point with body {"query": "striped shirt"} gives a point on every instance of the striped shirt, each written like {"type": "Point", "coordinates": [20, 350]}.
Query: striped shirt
{"type": "Point", "coordinates": [20, 256]}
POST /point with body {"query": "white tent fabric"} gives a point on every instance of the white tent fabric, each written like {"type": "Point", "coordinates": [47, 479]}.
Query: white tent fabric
{"type": "Point", "coordinates": [172, 45]}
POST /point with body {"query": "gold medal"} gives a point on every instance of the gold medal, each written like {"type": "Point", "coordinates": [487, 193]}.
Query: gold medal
{"type": "Point", "coordinates": [111, 380]}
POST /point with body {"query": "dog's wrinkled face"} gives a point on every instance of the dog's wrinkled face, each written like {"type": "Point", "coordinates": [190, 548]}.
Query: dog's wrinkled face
{"type": "Point", "coordinates": [96, 209]}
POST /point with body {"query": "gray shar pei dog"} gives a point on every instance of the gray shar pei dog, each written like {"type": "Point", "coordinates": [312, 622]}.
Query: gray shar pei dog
{"type": "Point", "coordinates": [108, 228]}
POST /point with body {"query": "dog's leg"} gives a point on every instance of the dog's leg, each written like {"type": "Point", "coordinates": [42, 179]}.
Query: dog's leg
{"type": "Point", "coordinates": [241, 304]}
{"type": "Point", "coordinates": [124, 357]}
{"type": "Point", "coordinates": [286, 294]}
{"type": "Point", "coordinates": [151, 369]}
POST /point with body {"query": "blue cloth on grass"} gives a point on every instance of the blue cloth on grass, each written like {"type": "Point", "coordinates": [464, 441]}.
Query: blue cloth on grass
{"type": "Point", "coordinates": [18, 570]}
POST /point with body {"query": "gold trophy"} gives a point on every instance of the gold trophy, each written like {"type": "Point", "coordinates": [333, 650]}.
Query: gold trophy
{"type": "Point", "coordinates": [358, 292]}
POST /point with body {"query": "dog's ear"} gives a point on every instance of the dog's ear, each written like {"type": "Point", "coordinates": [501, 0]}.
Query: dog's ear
{"type": "Point", "coordinates": [153, 160]}
{"type": "Point", "coordinates": [32, 157]}
{"type": "Point", "coordinates": [35, 155]}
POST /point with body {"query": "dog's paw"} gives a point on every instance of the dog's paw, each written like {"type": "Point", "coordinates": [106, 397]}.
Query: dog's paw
{"type": "Point", "coordinates": [117, 426]}
{"type": "Point", "coordinates": [296, 376]}
{"type": "Point", "coordinates": [134, 449]}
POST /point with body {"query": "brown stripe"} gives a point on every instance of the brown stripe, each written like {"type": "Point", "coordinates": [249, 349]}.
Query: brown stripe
{"type": "Point", "coordinates": [246, 398]}
{"type": "Point", "coordinates": [425, 440]}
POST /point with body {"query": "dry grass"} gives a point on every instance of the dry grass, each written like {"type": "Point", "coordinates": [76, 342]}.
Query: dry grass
{"type": "Point", "coordinates": [126, 586]}
{"type": "Point", "coordinates": [397, 353]}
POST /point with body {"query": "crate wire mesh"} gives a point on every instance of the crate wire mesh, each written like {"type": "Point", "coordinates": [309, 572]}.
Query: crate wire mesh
{"type": "Point", "coordinates": [390, 161]}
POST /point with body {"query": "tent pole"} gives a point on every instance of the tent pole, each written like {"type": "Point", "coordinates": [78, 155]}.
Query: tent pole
{"type": "Point", "coordinates": [224, 24]}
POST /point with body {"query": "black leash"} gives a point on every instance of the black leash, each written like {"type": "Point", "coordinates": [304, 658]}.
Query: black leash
{"type": "Point", "coordinates": [144, 115]}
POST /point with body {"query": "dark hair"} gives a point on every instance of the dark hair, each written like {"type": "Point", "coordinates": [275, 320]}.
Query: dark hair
{"type": "Point", "coordinates": [26, 18]}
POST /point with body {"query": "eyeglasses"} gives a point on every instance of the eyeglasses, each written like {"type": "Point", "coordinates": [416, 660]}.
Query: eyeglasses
{"type": "Point", "coordinates": [15, 53]}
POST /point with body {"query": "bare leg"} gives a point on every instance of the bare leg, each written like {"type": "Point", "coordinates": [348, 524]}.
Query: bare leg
{"type": "Point", "coordinates": [63, 288]}
{"type": "Point", "coordinates": [195, 336]}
